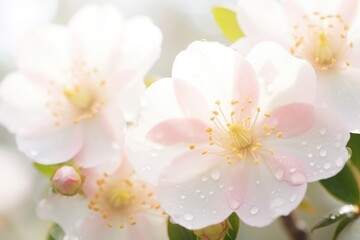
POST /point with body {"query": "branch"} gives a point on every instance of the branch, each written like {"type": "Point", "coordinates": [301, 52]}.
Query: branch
{"type": "Point", "coordinates": [295, 227]}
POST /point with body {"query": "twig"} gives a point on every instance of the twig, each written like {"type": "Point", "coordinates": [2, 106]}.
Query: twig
{"type": "Point", "coordinates": [295, 227]}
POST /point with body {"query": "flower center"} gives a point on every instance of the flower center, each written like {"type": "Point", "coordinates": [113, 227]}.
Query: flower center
{"type": "Point", "coordinates": [237, 136]}
{"type": "Point", "coordinates": [322, 40]}
{"type": "Point", "coordinates": [81, 97]}
{"type": "Point", "coordinates": [119, 198]}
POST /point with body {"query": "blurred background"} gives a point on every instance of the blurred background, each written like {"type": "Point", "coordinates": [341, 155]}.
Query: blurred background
{"type": "Point", "coordinates": [181, 21]}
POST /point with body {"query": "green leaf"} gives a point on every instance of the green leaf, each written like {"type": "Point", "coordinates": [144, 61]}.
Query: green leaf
{"type": "Point", "coordinates": [177, 232]}
{"type": "Point", "coordinates": [55, 233]}
{"type": "Point", "coordinates": [341, 226]}
{"type": "Point", "coordinates": [234, 224]}
{"type": "Point", "coordinates": [343, 186]}
{"type": "Point", "coordinates": [354, 144]}
{"type": "Point", "coordinates": [225, 18]}
{"type": "Point", "coordinates": [47, 170]}
{"type": "Point", "coordinates": [336, 215]}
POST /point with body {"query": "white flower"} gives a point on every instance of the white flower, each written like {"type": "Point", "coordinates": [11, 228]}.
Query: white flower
{"type": "Point", "coordinates": [78, 85]}
{"type": "Point", "coordinates": [227, 134]}
{"type": "Point", "coordinates": [325, 33]}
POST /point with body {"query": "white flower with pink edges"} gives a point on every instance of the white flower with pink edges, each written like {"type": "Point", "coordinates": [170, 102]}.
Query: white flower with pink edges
{"type": "Point", "coordinates": [78, 85]}
{"type": "Point", "coordinates": [325, 33]}
{"type": "Point", "coordinates": [232, 134]}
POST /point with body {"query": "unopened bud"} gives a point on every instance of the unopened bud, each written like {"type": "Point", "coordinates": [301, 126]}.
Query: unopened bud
{"type": "Point", "coordinates": [213, 232]}
{"type": "Point", "coordinates": [67, 181]}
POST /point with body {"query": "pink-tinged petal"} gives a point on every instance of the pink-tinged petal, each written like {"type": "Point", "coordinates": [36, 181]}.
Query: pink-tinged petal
{"type": "Point", "coordinates": [349, 10]}
{"type": "Point", "coordinates": [292, 119]}
{"type": "Point", "coordinates": [58, 207]}
{"type": "Point", "coordinates": [246, 84]}
{"type": "Point", "coordinates": [191, 190]}
{"type": "Point", "coordinates": [46, 53]}
{"type": "Point", "coordinates": [283, 78]}
{"type": "Point", "coordinates": [183, 130]}
{"type": "Point", "coordinates": [191, 100]}
{"type": "Point", "coordinates": [294, 12]}
{"type": "Point", "coordinates": [266, 198]}
{"type": "Point", "coordinates": [97, 35]}
{"type": "Point", "coordinates": [136, 53]}
{"type": "Point", "coordinates": [103, 139]}
{"type": "Point", "coordinates": [354, 55]}
{"type": "Point", "coordinates": [286, 168]}
{"type": "Point", "coordinates": [263, 20]}
{"type": "Point", "coordinates": [319, 153]}
{"type": "Point", "coordinates": [236, 185]}
{"type": "Point", "coordinates": [51, 144]}
{"type": "Point", "coordinates": [242, 46]}
{"type": "Point", "coordinates": [340, 92]}
{"type": "Point", "coordinates": [209, 65]}
{"type": "Point", "coordinates": [23, 103]}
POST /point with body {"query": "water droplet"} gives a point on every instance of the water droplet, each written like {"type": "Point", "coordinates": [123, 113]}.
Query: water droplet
{"type": "Point", "coordinates": [33, 153]}
{"type": "Point", "coordinates": [182, 197]}
{"type": "Point", "coordinates": [181, 206]}
{"type": "Point", "coordinates": [319, 146]}
{"type": "Point", "coordinates": [323, 153]}
{"type": "Point", "coordinates": [327, 165]}
{"type": "Point", "coordinates": [293, 197]}
{"type": "Point", "coordinates": [304, 143]}
{"type": "Point", "coordinates": [339, 162]}
{"type": "Point", "coordinates": [202, 196]}
{"type": "Point", "coordinates": [197, 190]}
{"type": "Point", "coordinates": [323, 131]}
{"type": "Point", "coordinates": [298, 178]}
{"type": "Point", "coordinates": [211, 192]}
{"type": "Point", "coordinates": [310, 155]}
{"type": "Point", "coordinates": [257, 182]}
{"type": "Point", "coordinates": [115, 145]}
{"type": "Point", "coordinates": [213, 211]}
{"type": "Point", "coordinates": [188, 216]}
{"type": "Point", "coordinates": [292, 169]}
{"type": "Point", "coordinates": [254, 210]}
{"type": "Point", "coordinates": [230, 187]}
{"type": "Point", "coordinates": [177, 186]}
{"type": "Point", "coordinates": [215, 174]}
{"type": "Point", "coordinates": [204, 178]}
{"type": "Point", "coordinates": [279, 174]}
{"type": "Point", "coordinates": [221, 186]}
{"type": "Point", "coordinates": [312, 164]}
{"type": "Point", "coordinates": [234, 204]}
{"type": "Point", "coordinates": [332, 217]}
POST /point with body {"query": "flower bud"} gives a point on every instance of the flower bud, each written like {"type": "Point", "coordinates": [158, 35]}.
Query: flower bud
{"type": "Point", "coordinates": [67, 181]}
{"type": "Point", "coordinates": [213, 232]}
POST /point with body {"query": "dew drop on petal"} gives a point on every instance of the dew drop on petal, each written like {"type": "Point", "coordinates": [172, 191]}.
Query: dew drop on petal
{"type": "Point", "coordinates": [339, 162]}
{"type": "Point", "coordinates": [182, 197]}
{"type": "Point", "coordinates": [323, 131]}
{"type": "Point", "coordinates": [293, 197]}
{"type": "Point", "coordinates": [202, 196]}
{"type": "Point", "coordinates": [33, 153]}
{"type": "Point", "coordinates": [211, 192]}
{"type": "Point", "coordinates": [327, 165]}
{"type": "Point", "coordinates": [215, 174]}
{"type": "Point", "coordinates": [298, 178]}
{"type": "Point", "coordinates": [292, 169]}
{"type": "Point", "coordinates": [310, 155]}
{"type": "Point", "coordinates": [279, 174]}
{"type": "Point", "coordinates": [323, 153]}
{"type": "Point", "coordinates": [204, 178]}
{"type": "Point", "coordinates": [304, 143]}
{"type": "Point", "coordinates": [319, 146]}
{"type": "Point", "coordinates": [230, 187]}
{"type": "Point", "coordinates": [254, 210]}
{"type": "Point", "coordinates": [188, 216]}
{"type": "Point", "coordinates": [234, 204]}
{"type": "Point", "coordinates": [257, 182]}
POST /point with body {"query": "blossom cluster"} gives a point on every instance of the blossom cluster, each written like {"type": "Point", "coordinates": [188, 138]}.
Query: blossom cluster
{"type": "Point", "coordinates": [235, 129]}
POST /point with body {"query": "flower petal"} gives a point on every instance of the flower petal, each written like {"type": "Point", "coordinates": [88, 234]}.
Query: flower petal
{"type": "Point", "coordinates": [97, 32]}
{"type": "Point", "coordinates": [283, 78]}
{"type": "Point", "coordinates": [148, 227]}
{"type": "Point", "coordinates": [191, 190]}
{"type": "Point", "coordinates": [263, 20]}
{"type": "Point", "coordinates": [211, 66]}
{"type": "Point", "coordinates": [266, 198]}
{"type": "Point", "coordinates": [319, 153]}
{"type": "Point", "coordinates": [341, 93]}
{"type": "Point", "coordinates": [46, 53]}
{"type": "Point", "coordinates": [51, 145]}
{"type": "Point", "coordinates": [103, 139]}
